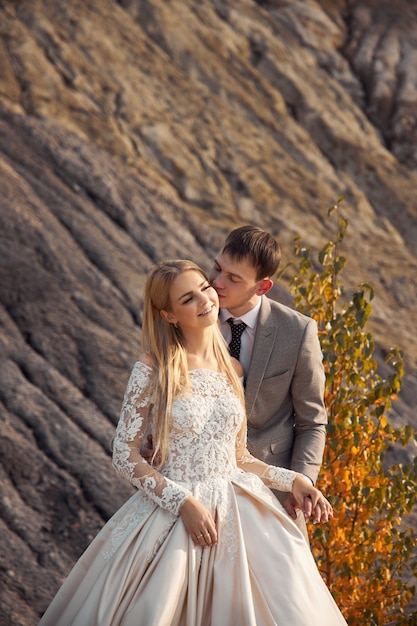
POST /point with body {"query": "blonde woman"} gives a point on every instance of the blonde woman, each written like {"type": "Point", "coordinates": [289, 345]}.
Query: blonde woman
{"type": "Point", "coordinates": [203, 542]}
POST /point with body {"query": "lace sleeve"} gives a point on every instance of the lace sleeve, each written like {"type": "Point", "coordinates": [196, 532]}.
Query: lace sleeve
{"type": "Point", "coordinates": [273, 477]}
{"type": "Point", "coordinates": [128, 440]}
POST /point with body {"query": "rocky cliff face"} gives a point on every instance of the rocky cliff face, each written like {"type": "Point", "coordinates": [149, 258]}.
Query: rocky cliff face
{"type": "Point", "coordinates": [136, 130]}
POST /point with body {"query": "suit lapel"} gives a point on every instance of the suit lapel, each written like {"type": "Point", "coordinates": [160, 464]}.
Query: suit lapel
{"type": "Point", "coordinates": [264, 343]}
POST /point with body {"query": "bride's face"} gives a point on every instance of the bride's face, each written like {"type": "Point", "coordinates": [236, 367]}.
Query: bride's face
{"type": "Point", "coordinates": [194, 302]}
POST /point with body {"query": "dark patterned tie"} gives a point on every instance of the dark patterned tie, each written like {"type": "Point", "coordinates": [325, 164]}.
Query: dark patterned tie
{"type": "Point", "coordinates": [237, 330]}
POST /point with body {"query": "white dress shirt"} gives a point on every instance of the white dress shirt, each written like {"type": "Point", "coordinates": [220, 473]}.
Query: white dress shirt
{"type": "Point", "coordinates": [248, 337]}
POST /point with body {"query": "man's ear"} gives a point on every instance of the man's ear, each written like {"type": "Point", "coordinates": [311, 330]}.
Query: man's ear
{"type": "Point", "coordinates": [167, 316]}
{"type": "Point", "coordinates": [265, 286]}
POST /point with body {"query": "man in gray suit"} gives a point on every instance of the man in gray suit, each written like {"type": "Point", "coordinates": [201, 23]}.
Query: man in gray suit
{"type": "Point", "coordinates": [281, 356]}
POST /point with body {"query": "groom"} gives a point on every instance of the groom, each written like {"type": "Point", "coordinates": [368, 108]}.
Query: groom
{"type": "Point", "coordinates": [280, 352]}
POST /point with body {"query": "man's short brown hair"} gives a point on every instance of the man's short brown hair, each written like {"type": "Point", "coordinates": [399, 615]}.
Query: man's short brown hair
{"type": "Point", "coordinates": [255, 246]}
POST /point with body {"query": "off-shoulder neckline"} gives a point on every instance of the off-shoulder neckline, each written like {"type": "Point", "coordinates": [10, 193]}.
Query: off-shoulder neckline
{"type": "Point", "coordinates": [197, 369]}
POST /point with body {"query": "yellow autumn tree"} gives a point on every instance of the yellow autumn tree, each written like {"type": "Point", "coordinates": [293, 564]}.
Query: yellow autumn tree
{"type": "Point", "coordinates": [366, 556]}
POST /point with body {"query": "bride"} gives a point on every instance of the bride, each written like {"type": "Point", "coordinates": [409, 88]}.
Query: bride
{"type": "Point", "coordinates": [203, 541]}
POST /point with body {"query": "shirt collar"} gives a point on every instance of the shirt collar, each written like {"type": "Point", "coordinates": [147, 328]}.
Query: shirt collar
{"type": "Point", "coordinates": [250, 318]}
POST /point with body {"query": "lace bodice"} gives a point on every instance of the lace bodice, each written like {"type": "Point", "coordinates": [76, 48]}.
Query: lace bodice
{"type": "Point", "coordinates": [204, 443]}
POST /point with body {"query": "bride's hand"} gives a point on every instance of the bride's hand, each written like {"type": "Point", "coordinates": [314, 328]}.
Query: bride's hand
{"type": "Point", "coordinates": [311, 500]}
{"type": "Point", "coordinates": [198, 522]}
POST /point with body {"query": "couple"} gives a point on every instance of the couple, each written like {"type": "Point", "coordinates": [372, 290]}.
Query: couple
{"type": "Point", "coordinates": [204, 541]}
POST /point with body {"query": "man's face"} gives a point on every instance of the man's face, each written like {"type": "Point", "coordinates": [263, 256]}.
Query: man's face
{"type": "Point", "coordinates": [236, 284]}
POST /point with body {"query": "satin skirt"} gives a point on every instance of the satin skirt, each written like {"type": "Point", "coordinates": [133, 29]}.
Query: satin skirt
{"type": "Point", "coordinates": [143, 569]}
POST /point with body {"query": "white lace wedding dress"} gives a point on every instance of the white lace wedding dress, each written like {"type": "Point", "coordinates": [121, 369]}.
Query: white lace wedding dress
{"type": "Point", "coordinates": [143, 569]}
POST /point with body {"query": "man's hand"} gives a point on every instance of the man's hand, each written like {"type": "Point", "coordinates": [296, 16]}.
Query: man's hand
{"type": "Point", "coordinates": [291, 506]}
{"type": "Point", "coordinates": [311, 501]}
{"type": "Point", "coordinates": [147, 449]}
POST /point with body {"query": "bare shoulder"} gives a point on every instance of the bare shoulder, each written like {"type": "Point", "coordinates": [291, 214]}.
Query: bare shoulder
{"type": "Point", "coordinates": [238, 367]}
{"type": "Point", "coordinates": [146, 359]}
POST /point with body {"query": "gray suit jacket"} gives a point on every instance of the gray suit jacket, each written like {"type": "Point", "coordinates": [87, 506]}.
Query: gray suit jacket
{"type": "Point", "coordinates": [284, 391]}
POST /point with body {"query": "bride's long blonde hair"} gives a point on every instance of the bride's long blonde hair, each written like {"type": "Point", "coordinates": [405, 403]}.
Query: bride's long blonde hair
{"type": "Point", "coordinates": [164, 344]}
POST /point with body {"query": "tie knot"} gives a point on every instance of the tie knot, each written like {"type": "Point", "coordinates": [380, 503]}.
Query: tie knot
{"type": "Point", "coordinates": [237, 330]}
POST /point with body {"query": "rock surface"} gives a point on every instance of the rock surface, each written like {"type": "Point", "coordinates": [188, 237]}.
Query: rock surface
{"type": "Point", "coordinates": [136, 130]}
